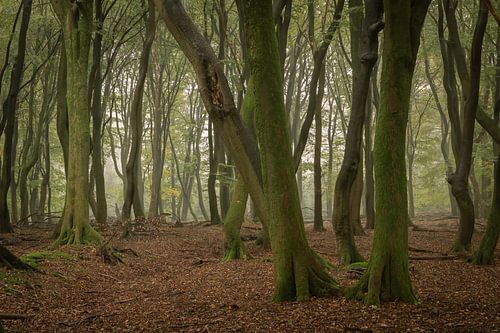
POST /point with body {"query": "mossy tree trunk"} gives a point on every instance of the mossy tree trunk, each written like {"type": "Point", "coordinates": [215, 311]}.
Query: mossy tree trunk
{"type": "Point", "coordinates": [460, 179]}
{"type": "Point", "coordinates": [387, 276]}
{"type": "Point", "coordinates": [346, 198]}
{"type": "Point", "coordinates": [8, 121]}
{"type": "Point", "coordinates": [217, 99]}
{"type": "Point", "coordinates": [234, 248]}
{"type": "Point", "coordinates": [485, 254]}
{"type": "Point", "coordinates": [133, 195]}
{"type": "Point", "coordinates": [299, 273]}
{"type": "Point", "coordinates": [77, 23]}
{"type": "Point", "coordinates": [96, 80]}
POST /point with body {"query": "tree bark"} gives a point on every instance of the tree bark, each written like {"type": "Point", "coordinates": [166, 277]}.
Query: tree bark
{"type": "Point", "coordinates": [7, 123]}
{"type": "Point", "coordinates": [133, 192]}
{"type": "Point", "coordinates": [298, 271]}
{"type": "Point", "coordinates": [77, 23]}
{"type": "Point", "coordinates": [343, 209]}
{"type": "Point", "coordinates": [387, 276]}
{"type": "Point", "coordinates": [460, 179]}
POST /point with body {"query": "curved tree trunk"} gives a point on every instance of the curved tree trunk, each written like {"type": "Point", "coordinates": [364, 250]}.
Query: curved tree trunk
{"type": "Point", "coordinates": [460, 179]}
{"type": "Point", "coordinates": [133, 194]}
{"type": "Point", "coordinates": [345, 200]}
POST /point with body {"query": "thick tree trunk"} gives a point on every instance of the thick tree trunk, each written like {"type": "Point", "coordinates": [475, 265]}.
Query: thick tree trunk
{"type": "Point", "coordinates": [387, 276]}
{"type": "Point", "coordinates": [8, 120]}
{"type": "Point", "coordinates": [298, 271]}
{"type": "Point", "coordinates": [77, 24]}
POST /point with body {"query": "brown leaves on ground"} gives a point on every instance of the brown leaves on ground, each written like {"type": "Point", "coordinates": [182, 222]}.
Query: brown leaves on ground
{"type": "Point", "coordinates": [178, 284]}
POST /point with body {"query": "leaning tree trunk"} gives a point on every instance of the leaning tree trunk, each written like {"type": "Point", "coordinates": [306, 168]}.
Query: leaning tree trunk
{"type": "Point", "coordinates": [388, 276]}
{"type": "Point", "coordinates": [132, 194]}
{"type": "Point", "coordinates": [10, 260]}
{"type": "Point", "coordinates": [349, 171]}
{"type": "Point", "coordinates": [7, 124]}
{"type": "Point", "coordinates": [77, 23]}
{"type": "Point", "coordinates": [460, 179]}
{"type": "Point", "coordinates": [298, 271]}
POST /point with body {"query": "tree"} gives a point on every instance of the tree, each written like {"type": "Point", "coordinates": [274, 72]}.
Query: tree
{"type": "Point", "coordinates": [132, 194]}
{"type": "Point", "coordinates": [387, 276]}
{"type": "Point", "coordinates": [298, 271]}
{"type": "Point", "coordinates": [76, 18]}
{"type": "Point", "coordinates": [342, 211]}
{"type": "Point", "coordinates": [7, 123]}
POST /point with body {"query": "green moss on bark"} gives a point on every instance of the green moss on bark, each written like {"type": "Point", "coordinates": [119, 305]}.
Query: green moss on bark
{"type": "Point", "coordinates": [298, 272]}
{"type": "Point", "coordinates": [485, 254]}
{"type": "Point", "coordinates": [387, 276]}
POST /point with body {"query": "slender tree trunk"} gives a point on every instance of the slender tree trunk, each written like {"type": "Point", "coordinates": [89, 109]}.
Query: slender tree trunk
{"type": "Point", "coordinates": [212, 177]}
{"type": "Point", "coordinates": [344, 200]}
{"type": "Point", "coordinates": [132, 194]}
{"type": "Point", "coordinates": [318, 140]}
{"type": "Point", "coordinates": [101, 212]}
{"type": "Point", "coordinates": [7, 124]}
{"type": "Point", "coordinates": [369, 181]}
{"type": "Point", "coordinates": [460, 179]}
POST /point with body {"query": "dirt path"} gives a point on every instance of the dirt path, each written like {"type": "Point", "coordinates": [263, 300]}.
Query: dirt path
{"type": "Point", "coordinates": [178, 284]}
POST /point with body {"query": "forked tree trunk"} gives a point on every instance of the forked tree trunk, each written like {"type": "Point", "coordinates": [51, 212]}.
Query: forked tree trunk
{"type": "Point", "coordinates": [387, 276]}
{"type": "Point", "coordinates": [77, 23]}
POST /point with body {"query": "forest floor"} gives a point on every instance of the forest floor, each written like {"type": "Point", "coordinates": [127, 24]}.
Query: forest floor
{"type": "Point", "coordinates": [177, 283]}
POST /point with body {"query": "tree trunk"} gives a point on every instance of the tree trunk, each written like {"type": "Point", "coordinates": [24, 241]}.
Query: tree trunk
{"type": "Point", "coordinates": [7, 124]}
{"type": "Point", "coordinates": [298, 271]}
{"type": "Point", "coordinates": [345, 203]}
{"type": "Point", "coordinates": [77, 24]}
{"type": "Point", "coordinates": [318, 206]}
{"type": "Point", "coordinates": [212, 178]}
{"type": "Point", "coordinates": [485, 254]}
{"type": "Point", "coordinates": [460, 179]}
{"type": "Point", "coordinates": [10, 260]}
{"type": "Point", "coordinates": [369, 181]}
{"type": "Point", "coordinates": [101, 212]}
{"type": "Point", "coordinates": [133, 193]}
{"type": "Point", "coordinates": [387, 276]}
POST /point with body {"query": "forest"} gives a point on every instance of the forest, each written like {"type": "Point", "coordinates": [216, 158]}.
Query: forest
{"type": "Point", "coordinates": [249, 166]}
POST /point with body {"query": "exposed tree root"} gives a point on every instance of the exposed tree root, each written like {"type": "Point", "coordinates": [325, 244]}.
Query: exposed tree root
{"type": "Point", "coordinates": [235, 250]}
